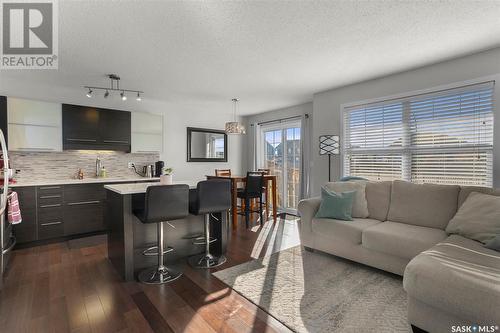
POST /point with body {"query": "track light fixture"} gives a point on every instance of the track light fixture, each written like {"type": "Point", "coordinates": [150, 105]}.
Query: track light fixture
{"type": "Point", "coordinates": [115, 86]}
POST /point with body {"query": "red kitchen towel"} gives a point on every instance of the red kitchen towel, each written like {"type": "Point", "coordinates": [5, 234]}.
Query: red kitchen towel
{"type": "Point", "coordinates": [13, 211]}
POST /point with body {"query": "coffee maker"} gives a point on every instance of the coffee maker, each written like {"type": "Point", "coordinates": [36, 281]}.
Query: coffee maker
{"type": "Point", "coordinates": [159, 168]}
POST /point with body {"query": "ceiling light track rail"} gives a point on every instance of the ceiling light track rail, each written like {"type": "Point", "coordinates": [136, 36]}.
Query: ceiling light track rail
{"type": "Point", "coordinates": [114, 86]}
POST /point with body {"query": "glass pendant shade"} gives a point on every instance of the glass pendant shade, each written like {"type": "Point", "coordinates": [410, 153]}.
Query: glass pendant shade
{"type": "Point", "coordinates": [235, 127]}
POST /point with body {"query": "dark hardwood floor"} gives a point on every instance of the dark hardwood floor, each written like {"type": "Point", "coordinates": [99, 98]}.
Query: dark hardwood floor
{"type": "Point", "coordinates": [71, 287]}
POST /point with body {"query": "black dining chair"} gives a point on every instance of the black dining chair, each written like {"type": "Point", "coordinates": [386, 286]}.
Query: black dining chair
{"type": "Point", "coordinates": [253, 190]}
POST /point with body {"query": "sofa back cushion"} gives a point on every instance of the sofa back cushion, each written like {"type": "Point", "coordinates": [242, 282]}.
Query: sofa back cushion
{"type": "Point", "coordinates": [378, 196]}
{"type": "Point", "coordinates": [426, 205]}
{"type": "Point", "coordinates": [359, 205]}
{"type": "Point", "coordinates": [466, 190]}
{"type": "Point", "coordinates": [478, 218]}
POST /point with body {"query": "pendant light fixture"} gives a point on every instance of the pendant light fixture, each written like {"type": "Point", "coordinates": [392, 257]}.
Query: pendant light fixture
{"type": "Point", "coordinates": [235, 127]}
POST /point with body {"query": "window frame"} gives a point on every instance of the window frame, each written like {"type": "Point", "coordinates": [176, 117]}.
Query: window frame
{"type": "Point", "coordinates": [495, 175]}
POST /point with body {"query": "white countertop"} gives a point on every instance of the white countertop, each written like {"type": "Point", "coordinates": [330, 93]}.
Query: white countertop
{"type": "Point", "coordinates": [81, 181]}
{"type": "Point", "coordinates": [134, 188]}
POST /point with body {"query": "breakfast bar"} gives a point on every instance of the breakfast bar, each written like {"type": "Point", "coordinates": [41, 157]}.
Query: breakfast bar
{"type": "Point", "coordinates": [128, 237]}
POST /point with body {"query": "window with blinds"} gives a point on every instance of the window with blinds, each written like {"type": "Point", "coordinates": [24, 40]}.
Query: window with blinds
{"type": "Point", "coordinates": [445, 137]}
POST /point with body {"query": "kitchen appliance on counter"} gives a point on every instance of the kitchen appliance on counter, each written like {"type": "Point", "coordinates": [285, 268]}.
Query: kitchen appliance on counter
{"type": "Point", "coordinates": [148, 171]}
{"type": "Point", "coordinates": [159, 168]}
{"type": "Point", "coordinates": [7, 240]}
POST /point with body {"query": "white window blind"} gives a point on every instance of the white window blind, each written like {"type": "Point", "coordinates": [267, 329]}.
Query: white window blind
{"type": "Point", "coordinates": [444, 137]}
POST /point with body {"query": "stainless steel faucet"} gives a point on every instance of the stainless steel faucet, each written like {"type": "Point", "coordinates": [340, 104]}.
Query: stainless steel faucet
{"type": "Point", "coordinates": [98, 166]}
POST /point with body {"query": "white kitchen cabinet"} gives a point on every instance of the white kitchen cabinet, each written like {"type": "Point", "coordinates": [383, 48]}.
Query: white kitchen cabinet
{"type": "Point", "coordinates": [34, 125]}
{"type": "Point", "coordinates": [147, 133]}
{"type": "Point", "coordinates": [34, 138]}
{"type": "Point", "coordinates": [29, 112]}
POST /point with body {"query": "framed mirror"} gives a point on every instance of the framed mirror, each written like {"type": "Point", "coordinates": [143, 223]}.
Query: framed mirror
{"type": "Point", "coordinates": [206, 145]}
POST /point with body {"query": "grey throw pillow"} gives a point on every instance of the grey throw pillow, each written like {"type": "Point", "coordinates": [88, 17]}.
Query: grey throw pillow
{"type": "Point", "coordinates": [478, 218]}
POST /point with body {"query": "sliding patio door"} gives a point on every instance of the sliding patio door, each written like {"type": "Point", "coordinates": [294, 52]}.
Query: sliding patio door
{"type": "Point", "coordinates": [279, 151]}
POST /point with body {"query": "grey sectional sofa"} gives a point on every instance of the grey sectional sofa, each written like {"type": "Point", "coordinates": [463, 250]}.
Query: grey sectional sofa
{"type": "Point", "coordinates": [450, 280]}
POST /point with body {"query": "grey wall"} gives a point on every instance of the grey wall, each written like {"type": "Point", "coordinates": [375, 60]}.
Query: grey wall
{"type": "Point", "coordinates": [327, 105]}
{"type": "Point", "coordinates": [297, 110]}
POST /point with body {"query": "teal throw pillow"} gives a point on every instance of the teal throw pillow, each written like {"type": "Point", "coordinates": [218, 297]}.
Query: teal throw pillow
{"type": "Point", "coordinates": [336, 205]}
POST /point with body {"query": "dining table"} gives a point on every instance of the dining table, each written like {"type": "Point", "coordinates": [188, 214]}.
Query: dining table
{"type": "Point", "coordinates": [235, 180]}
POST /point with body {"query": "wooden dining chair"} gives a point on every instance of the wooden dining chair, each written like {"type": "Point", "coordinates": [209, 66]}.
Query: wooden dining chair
{"type": "Point", "coordinates": [223, 172]}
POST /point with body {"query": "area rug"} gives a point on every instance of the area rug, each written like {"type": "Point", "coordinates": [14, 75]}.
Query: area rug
{"type": "Point", "coordinates": [316, 292]}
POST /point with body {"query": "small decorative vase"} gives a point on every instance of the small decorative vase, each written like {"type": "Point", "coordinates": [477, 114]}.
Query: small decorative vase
{"type": "Point", "coordinates": [166, 179]}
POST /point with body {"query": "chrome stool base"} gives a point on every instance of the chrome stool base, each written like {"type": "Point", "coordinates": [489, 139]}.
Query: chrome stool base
{"type": "Point", "coordinates": [154, 275]}
{"type": "Point", "coordinates": [206, 261]}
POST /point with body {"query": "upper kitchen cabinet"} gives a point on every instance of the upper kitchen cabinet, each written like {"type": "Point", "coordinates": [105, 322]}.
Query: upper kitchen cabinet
{"type": "Point", "coordinates": [114, 127]}
{"type": "Point", "coordinates": [80, 126]}
{"type": "Point", "coordinates": [34, 125]}
{"type": "Point", "coordinates": [147, 133]}
{"type": "Point", "coordinates": [95, 128]}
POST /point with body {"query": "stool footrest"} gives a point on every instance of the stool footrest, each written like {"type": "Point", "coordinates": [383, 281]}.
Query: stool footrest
{"type": "Point", "coordinates": [148, 252]}
{"type": "Point", "coordinates": [202, 241]}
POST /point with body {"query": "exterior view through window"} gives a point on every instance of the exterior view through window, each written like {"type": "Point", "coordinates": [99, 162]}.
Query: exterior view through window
{"type": "Point", "coordinates": [280, 152]}
{"type": "Point", "coordinates": [444, 137]}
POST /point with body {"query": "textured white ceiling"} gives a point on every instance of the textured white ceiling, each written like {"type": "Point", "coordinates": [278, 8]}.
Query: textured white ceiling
{"type": "Point", "coordinates": [270, 54]}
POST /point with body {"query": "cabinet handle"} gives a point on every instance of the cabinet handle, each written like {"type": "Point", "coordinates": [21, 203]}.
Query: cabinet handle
{"type": "Point", "coordinates": [48, 206]}
{"type": "Point", "coordinates": [82, 140]}
{"type": "Point", "coordinates": [115, 141]}
{"type": "Point", "coordinates": [83, 203]}
{"type": "Point", "coordinates": [49, 188]}
{"type": "Point", "coordinates": [50, 223]}
{"type": "Point", "coordinates": [147, 151]}
{"type": "Point", "coordinates": [50, 196]}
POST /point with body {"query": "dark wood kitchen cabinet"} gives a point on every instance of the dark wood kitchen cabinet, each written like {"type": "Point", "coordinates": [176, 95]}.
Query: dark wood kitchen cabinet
{"type": "Point", "coordinates": [80, 126]}
{"type": "Point", "coordinates": [60, 211]}
{"type": "Point", "coordinates": [115, 128]}
{"type": "Point", "coordinates": [26, 231]}
{"type": "Point", "coordinates": [95, 128]}
{"type": "Point", "coordinates": [50, 211]}
{"type": "Point", "coordinates": [83, 209]}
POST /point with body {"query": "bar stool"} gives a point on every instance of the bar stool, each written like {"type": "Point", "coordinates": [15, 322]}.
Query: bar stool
{"type": "Point", "coordinates": [163, 203]}
{"type": "Point", "coordinates": [211, 196]}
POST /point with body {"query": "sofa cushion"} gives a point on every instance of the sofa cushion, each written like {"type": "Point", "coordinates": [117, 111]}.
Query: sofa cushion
{"type": "Point", "coordinates": [466, 190]}
{"type": "Point", "coordinates": [478, 218]}
{"type": "Point", "coordinates": [378, 197]}
{"type": "Point", "coordinates": [348, 230]}
{"type": "Point", "coordinates": [426, 205]}
{"type": "Point", "coordinates": [401, 239]}
{"type": "Point", "coordinates": [359, 206]}
{"type": "Point", "coordinates": [458, 276]}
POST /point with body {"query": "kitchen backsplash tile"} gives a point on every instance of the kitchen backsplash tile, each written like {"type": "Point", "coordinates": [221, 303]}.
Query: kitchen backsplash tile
{"type": "Point", "coordinates": [47, 166]}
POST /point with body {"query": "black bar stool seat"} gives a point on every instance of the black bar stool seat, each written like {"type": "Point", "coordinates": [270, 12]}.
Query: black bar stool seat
{"type": "Point", "coordinates": [210, 197]}
{"type": "Point", "coordinates": [163, 203]}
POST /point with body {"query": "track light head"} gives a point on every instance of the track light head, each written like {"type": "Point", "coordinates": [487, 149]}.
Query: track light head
{"type": "Point", "coordinates": [89, 94]}
{"type": "Point", "coordinates": [138, 98]}
{"type": "Point", "coordinates": [106, 94]}
{"type": "Point", "coordinates": [124, 98]}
